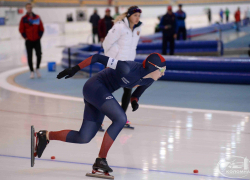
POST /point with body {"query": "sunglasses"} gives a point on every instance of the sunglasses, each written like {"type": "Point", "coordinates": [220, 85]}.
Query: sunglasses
{"type": "Point", "coordinates": [162, 70]}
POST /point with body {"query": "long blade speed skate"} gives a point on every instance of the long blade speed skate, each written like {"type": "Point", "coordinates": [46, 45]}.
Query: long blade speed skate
{"type": "Point", "coordinates": [101, 169]}
{"type": "Point", "coordinates": [33, 145]}
{"type": "Point", "coordinates": [101, 129]}
{"type": "Point", "coordinates": [39, 142]}
{"type": "Point", "coordinates": [128, 125]}
{"type": "Point", "coordinates": [100, 174]}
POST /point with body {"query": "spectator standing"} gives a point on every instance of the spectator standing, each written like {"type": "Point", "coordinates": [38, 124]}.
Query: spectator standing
{"type": "Point", "coordinates": [237, 19]}
{"type": "Point", "coordinates": [31, 29]}
{"type": "Point", "coordinates": [221, 15]}
{"type": "Point", "coordinates": [247, 17]}
{"type": "Point", "coordinates": [104, 25]}
{"type": "Point", "coordinates": [116, 12]}
{"type": "Point", "coordinates": [168, 26]}
{"type": "Point", "coordinates": [180, 23]}
{"type": "Point", "coordinates": [209, 13]}
{"type": "Point", "coordinates": [94, 19]}
{"type": "Point", "coordinates": [227, 12]}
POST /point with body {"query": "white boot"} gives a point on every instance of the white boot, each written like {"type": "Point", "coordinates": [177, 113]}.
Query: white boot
{"type": "Point", "coordinates": [38, 73]}
{"type": "Point", "coordinates": [31, 75]}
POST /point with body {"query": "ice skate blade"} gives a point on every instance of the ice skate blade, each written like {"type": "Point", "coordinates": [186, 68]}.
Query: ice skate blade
{"type": "Point", "coordinates": [32, 158]}
{"type": "Point", "coordinates": [101, 130]}
{"type": "Point", "coordinates": [100, 175]}
{"type": "Point", "coordinates": [127, 126]}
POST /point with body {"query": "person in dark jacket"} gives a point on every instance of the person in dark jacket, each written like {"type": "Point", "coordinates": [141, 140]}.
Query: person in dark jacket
{"type": "Point", "coordinates": [168, 26]}
{"type": "Point", "coordinates": [31, 28]}
{"type": "Point", "coordinates": [94, 19]}
{"type": "Point", "coordinates": [104, 25]}
{"type": "Point", "coordinates": [180, 23]}
{"type": "Point", "coordinates": [209, 13]}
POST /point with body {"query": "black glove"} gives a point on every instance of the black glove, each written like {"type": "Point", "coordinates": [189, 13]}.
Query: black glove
{"type": "Point", "coordinates": [69, 72]}
{"type": "Point", "coordinates": [134, 105]}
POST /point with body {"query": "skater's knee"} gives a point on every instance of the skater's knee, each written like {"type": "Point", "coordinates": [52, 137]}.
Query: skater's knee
{"type": "Point", "coordinates": [85, 140]}
{"type": "Point", "coordinates": [123, 120]}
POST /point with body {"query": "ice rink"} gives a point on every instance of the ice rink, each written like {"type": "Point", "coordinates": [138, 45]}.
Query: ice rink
{"type": "Point", "coordinates": [167, 143]}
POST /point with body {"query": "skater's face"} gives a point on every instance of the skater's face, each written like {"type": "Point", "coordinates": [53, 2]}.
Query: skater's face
{"type": "Point", "coordinates": [134, 18]}
{"type": "Point", "coordinates": [155, 75]}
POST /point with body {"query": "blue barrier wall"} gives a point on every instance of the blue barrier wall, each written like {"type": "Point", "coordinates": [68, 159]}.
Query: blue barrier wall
{"type": "Point", "coordinates": [179, 68]}
{"type": "Point", "coordinates": [181, 47]}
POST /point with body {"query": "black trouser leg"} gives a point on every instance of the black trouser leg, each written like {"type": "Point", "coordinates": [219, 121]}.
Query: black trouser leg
{"type": "Point", "coordinates": [171, 42]}
{"type": "Point", "coordinates": [93, 36]}
{"type": "Point", "coordinates": [126, 98]}
{"type": "Point", "coordinates": [38, 49]}
{"type": "Point", "coordinates": [184, 33]}
{"type": "Point", "coordinates": [164, 45]}
{"type": "Point", "coordinates": [98, 37]}
{"type": "Point", "coordinates": [29, 48]}
{"type": "Point", "coordinates": [94, 33]}
{"type": "Point", "coordinates": [179, 34]}
{"type": "Point", "coordinates": [182, 30]}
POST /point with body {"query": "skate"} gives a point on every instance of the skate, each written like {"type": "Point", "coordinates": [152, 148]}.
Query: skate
{"type": "Point", "coordinates": [33, 146]}
{"type": "Point", "coordinates": [127, 125]}
{"type": "Point", "coordinates": [101, 129]}
{"type": "Point", "coordinates": [42, 142]}
{"type": "Point", "coordinates": [38, 144]}
{"type": "Point", "coordinates": [101, 169]}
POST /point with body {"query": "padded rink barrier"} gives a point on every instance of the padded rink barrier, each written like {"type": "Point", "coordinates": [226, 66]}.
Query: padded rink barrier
{"type": "Point", "coordinates": [179, 68]}
{"type": "Point", "coordinates": [195, 31]}
{"type": "Point", "coordinates": [206, 69]}
{"type": "Point", "coordinates": [194, 48]}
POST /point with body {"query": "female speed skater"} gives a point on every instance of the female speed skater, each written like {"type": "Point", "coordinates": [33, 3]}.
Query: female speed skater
{"type": "Point", "coordinates": [121, 43]}
{"type": "Point", "coordinates": [100, 102]}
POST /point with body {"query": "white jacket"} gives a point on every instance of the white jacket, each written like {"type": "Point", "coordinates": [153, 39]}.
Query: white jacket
{"type": "Point", "coordinates": [120, 42]}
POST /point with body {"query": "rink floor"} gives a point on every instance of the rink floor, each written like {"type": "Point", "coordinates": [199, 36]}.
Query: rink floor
{"type": "Point", "coordinates": [167, 143]}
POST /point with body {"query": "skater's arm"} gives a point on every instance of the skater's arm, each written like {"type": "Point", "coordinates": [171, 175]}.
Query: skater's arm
{"type": "Point", "coordinates": [121, 66]}
{"type": "Point", "coordinates": [137, 94]}
{"type": "Point", "coordinates": [139, 91]}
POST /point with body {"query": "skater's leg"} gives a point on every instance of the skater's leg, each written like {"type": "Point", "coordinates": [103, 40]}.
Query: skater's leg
{"type": "Point", "coordinates": [92, 121]}
{"type": "Point", "coordinates": [126, 98]}
{"type": "Point", "coordinates": [125, 102]}
{"type": "Point", "coordinates": [100, 96]}
{"type": "Point", "coordinates": [116, 114]}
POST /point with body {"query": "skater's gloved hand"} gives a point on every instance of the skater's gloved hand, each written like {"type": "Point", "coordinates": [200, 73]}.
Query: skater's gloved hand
{"type": "Point", "coordinates": [69, 72]}
{"type": "Point", "coordinates": [134, 105]}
